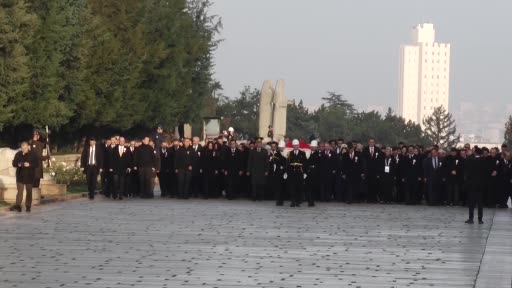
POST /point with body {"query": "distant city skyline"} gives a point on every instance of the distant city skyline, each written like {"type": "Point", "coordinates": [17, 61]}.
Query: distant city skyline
{"type": "Point", "coordinates": [351, 47]}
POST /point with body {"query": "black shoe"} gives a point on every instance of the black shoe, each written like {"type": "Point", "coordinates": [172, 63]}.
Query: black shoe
{"type": "Point", "coordinates": [292, 205]}
{"type": "Point", "coordinates": [15, 208]}
{"type": "Point", "coordinates": [469, 221]}
{"type": "Point", "coordinates": [27, 209]}
{"type": "Point", "coordinates": [311, 205]}
{"type": "Point", "coordinates": [120, 198]}
{"type": "Point", "coordinates": [480, 221]}
{"type": "Point", "coordinates": [91, 197]}
{"type": "Point", "coordinates": [279, 204]}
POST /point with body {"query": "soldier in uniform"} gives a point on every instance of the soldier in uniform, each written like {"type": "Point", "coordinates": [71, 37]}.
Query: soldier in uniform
{"type": "Point", "coordinates": [276, 165]}
{"type": "Point", "coordinates": [38, 148]}
{"type": "Point", "coordinates": [296, 175]}
{"type": "Point", "coordinates": [313, 172]}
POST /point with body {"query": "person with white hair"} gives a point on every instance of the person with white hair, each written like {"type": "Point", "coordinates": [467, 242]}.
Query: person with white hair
{"type": "Point", "coordinates": [296, 173]}
{"type": "Point", "coordinates": [313, 172]}
{"type": "Point", "coordinates": [25, 162]}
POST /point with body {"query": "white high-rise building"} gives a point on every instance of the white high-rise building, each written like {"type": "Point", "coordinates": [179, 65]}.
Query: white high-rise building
{"type": "Point", "coordinates": [424, 75]}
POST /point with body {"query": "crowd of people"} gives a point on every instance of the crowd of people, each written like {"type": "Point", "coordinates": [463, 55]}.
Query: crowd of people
{"type": "Point", "coordinates": [335, 170]}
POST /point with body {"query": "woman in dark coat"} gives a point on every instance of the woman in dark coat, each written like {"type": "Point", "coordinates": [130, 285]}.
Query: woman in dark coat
{"type": "Point", "coordinates": [210, 165]}
{"type": "Point", "coordinates": [25, 162]}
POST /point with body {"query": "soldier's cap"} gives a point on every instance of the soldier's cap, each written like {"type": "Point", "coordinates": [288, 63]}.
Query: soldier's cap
{"type": "Point", "coordinates": [314, 143]}
{"type": "Point", "coordinates": [36, 132]}
{"type": "Point", "coordinates": [295, 142]}
{"type": "Point", "coordinates": [282, 144]}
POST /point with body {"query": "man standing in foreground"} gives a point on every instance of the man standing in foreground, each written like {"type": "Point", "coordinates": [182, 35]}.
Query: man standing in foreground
{"type": "Point", "coordinates": [25, 162]}
{"type": "Point", "coordinates": [91, 163]}
{"type": "Point", "coordinates": [474, 170]}
{"type": "Point", "coordinates": [183, 165]}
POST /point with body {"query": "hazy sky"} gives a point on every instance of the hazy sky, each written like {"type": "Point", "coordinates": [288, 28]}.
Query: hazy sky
{"type": "Point", "coordinates": [352, 47]}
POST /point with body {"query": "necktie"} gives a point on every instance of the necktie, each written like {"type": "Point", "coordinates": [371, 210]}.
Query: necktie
{"type": "Point", "coordinates": [120, 151]}
{"type": "Point", "coordinates": [371, 151]}
{"type": "Point", "coordinates": [258, 150]}
{"type": "Point", "coordinates": [91, 157]}
{"type": "Point", "coordinates": [435, 161]}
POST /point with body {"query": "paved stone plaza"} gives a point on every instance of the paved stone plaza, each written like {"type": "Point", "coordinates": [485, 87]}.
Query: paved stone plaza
{"type": "Point", "coordinates": [216, 243]}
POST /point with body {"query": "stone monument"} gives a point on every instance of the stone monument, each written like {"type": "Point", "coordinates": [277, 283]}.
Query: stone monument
{"type": "Point", "coordinates": [273, 107]}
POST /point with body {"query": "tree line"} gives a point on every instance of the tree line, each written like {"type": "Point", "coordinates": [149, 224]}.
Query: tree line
{"type": "Point", "coordinates": [83, 65]}
{"type": "Point", "coordinates": [335, 118]}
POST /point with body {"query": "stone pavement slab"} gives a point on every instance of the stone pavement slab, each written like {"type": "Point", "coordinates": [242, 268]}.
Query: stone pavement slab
{"type": "Point", "coordinates": [218, 243]}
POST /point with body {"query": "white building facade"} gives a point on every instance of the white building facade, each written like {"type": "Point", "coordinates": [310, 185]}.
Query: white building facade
{"type": "Point", "coordinates": [424, 75]}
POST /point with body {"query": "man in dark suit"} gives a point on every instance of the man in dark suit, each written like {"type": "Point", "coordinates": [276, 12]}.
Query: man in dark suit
{"type": "Point", "coordinates": [120, 166]}
{"type": "Point", "coordinates": [452, 181]}
{"type": "Point", "coordinates": [145, 164]}
{"type": "Point", "coordinates": [506, 191]}
{"type": "Point", "coordinates": [25, 162]}
{"type": "Point", "coordinates": [233, 166]}
{"type": "Point", "coordinates": [474, 170]}
{"type": "Point", "coordinates": [257, 168]}
{"type": "Point", "coordinates": [373, 157]}
{"type": "Point", "coordinates": [353, 168]}
{"type": "Point", "coordinates": [173, 177]}
{"type": "Point", "coordinates": [197, 171]}
{"type": "Point", "coordinates": [183, 165]}
{"type": "Point", "coordinates": [386, 175]}
{"type": "Point", "coordinates": [91, 163]}
{"type": "Point", "coordinates": [104, 175]}
{"type": "Point", "coordinates": [410, 172]}
{"type": "Point", "coordinates": [312, 170]}
{"type": "Point", "coordinates": [296, 162]}
{"type": "Point", "coordinates": [132, 179]}
{"type": "Point", "coordinates": [328, 167]}
{"type": "Point", "coordinates": [164, 174]}
{"type": "Point", "coordinates": [433, 176]}
{"type": "Point", "coordinates": [493, 177]}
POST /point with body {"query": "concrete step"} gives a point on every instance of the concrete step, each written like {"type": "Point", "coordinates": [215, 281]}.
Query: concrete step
{"type": "Point", "coordinates": [53, 190]}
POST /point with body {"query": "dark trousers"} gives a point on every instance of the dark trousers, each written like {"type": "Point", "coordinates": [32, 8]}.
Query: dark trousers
{"type": "Point", "coordinates": [104, 182]}
{"type": "Point", "coordinates": [19, 195]}
{"type": "Point", "coordinates": [295, 183]}
{"type": "Point", "coordinates": [232, 184]}
{"type": "Point", "coordinates": [145, 182]}
{"type": "Point", "coordinates": [452, 192]}
{"type": "Point", "coordinates": [339, 189]}
{"type": "Point", "coordinates": [133, 184]}
{"type": "Point", "coordinates": [492, 187]}
{"type": "Point", "coordinates": [353, 189]}
{"type": "Point", "coordinates": [326, 187]}
{"type": "Point", "coordinates": [311, 187]}
{"type": "Point", "coordinates": [410, 188]}
{"type": "Point", "coordinates": [184, 178]}
{"type": "Point", "coordinates": [119, 186]}
{"type": "Point", "coordinates": [386, 185]}
{"type": "Point", "coordinates": [373, 188]}
{"type": "Point", "coordinates": [210, 184]}
{"type": "Point", "coordinates": [196, 184]}
{"type": "Point", "coordinates": [91, 175]}
{"type": "Point", "coordinates": [275, 187]}
{"type": "Point", "coordinates": [163, 179]}
{"type": "Point", "coordinates": [257, 190]}
{"type": "Point", "coordinates": [37, 182]}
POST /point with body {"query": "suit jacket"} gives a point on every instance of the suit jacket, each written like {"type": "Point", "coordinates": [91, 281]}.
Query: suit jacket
{"type": "Point", "coordinates": [25, 175]}
{"type": "Point", "coordinates": [353, 166]}
{"type": "Point", "coordinates": [120, 163]}
{"type": "Point", "coordinates": [381, 167]}
{"type": "Point", "coordinates": [198, 154]}
{"type": "Point", "coordinates": [233, 163]}
{"type": "Point", "coordinates": [297, 163]}
{"type": "Point", "coordinates": [433, 173]}
{"type": "Point", "coordinates": [257, 165]}
{"type": "Point", "coordinates": [98, 152]}
{"type": "Point", "coordinates": [372, 162]}
{"type": "Point", "coordinates": [410, 168]}
{"type": "Point", "coordinates": [185, 157]}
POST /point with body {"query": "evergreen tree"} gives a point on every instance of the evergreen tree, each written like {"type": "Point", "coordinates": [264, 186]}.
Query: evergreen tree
{"type": "Point", "coordinates": [17, 25]}
{"type": "Point", "coordinates": [440, 128]}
